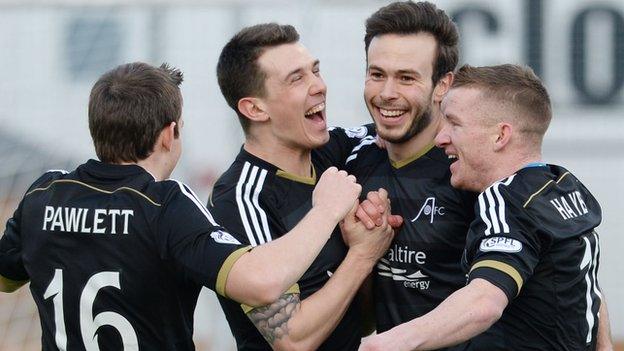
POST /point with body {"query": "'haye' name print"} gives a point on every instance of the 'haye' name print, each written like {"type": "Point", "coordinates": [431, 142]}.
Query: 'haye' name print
{"type": "Point", "coordinates": [566, 211]}
{"type": "Point", "coordinates": [85, 220]}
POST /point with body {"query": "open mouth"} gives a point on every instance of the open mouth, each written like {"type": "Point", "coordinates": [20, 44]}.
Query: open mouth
{"type": "Point", "coordinates": [391, 113]}
{"type": "Point", "coordinates": [453, 158]}
{"type": "Point", "coordinates": [316, 113]}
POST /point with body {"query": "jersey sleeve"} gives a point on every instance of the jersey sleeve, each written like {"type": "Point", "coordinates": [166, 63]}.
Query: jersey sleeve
{"type": "Point", "coordinates": [189, 235]}
{"type": "Point", "coordinates": [246, 217]}
{"type": "Point", "coordinates": [11, 263]}
{"type": "Point", "coordinates": [342, 142]}
{"type": "Point", "coordinates": [503, 245]}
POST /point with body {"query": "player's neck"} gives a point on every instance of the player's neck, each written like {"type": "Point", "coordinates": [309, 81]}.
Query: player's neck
{"type": "Point", "coordinates": [157, 167]}
{"type": "Point", "coordinates": [420, 141]}
{"type": "Point", "coordinates": [289, 159]}
{"type": "Point", "coordinates": [506, 165]}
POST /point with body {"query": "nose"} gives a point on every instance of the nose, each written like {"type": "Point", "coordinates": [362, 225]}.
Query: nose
{"type": "Point", "coordinates": [443, 139]}
{"type": "Point", "coordinates": [389, 91]}
{"type": "Point", "coordinates": [318, 86]}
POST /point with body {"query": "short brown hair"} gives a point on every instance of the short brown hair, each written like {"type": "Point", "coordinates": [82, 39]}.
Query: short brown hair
{"type": "Point", "coordinates": [515, 85]}
{"type": "Point", "coordinates": [407, 17]}
{"type": "Point", "coordinates": [128, 108]}
{"type": "Point", "coordinates": [238, 72]}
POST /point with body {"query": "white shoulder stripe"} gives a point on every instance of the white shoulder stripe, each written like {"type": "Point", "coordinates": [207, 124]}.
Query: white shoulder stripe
{"type": "Point", "coordinates": [497, 220]}
{"type": "Point", "coordinates": [250, 208]}
{"type": "Point", "coordinates": [484, 217]}
{"type": "Point", "coordinates": [501, 201]}
{"type": "Point", "coordinates": [241, 206]}
{"type": "Point", "coordinates": [248, 191]}
{"type": "Point", "coordinates": [595, 276]}
{"type": "Point", "coordinates": [365, 141]}
{"type": "Point", "coordinates": [191, 195]}
{"type": "Point", "coordinates": [263, 216]}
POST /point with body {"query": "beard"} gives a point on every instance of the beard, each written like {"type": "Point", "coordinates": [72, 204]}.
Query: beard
{"type": "Point", "coordinates": [421, 120]}
{"type": "Point", "coordinates": [419, 123]}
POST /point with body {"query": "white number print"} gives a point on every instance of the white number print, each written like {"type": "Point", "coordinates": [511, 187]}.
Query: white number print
{"type": "Point", "coordinates": [88, 323]}
{"type": "Point", "coordinates": [55, 290]}
{"type": "Point", "coordinates": [590, 261]}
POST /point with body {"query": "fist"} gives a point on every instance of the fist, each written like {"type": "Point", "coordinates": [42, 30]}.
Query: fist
{"type": "Point", "coordinates": [336, 192]}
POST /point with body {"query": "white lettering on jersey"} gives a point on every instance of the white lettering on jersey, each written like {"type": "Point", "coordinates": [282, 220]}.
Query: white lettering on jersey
{"type": "Point", "coordinates": [403, 254]}
{"type": "Point", "coordinates": [430, 209]}
{"type": "Point", "coordinates": [565, 210]}
{"type": "Point", "coordinates": [80, 220]}
{"type": "Point", "coordinates": [500, 244]}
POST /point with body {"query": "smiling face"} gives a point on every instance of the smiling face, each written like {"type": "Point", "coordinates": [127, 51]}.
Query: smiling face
{"type": "Point", "coordinates": [399, 88]}
{"type": "Point", "coordinates": [295, 97]}
{"type": "Point", "coordinates": [468, 137]}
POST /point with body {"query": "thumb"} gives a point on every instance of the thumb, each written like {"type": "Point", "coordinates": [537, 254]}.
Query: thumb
{"type": "Point", "coordinates": [395, 221]}
{"type": "Point", "coordinates": [351, 214]}
{"type": "Point", "coordinates": [354, 209]}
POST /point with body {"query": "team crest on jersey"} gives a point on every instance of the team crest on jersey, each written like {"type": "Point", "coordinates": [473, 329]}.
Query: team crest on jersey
{"type": "Point", "coordinates": [429, 209]}
{"type": "Point", "coordinates": [224, 238]}
{"type": "Point", "coordinates": [500, 244]}
{"type": "Point", "coordinates": [356, 132]}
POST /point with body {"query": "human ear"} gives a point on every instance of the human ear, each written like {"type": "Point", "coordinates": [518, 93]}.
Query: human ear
{"type": "Point", "coordinates": [253, 108]}
{"type": "Point", "coordinates": [503, 135]}
{"type": "Point", "coordinates": [442, 86]}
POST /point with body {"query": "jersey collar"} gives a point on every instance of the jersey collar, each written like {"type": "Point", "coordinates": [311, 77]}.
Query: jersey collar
{"type": "Point", "coordinates": [244, 155]}
{"type": "Point", "coordinates": [417, 155]}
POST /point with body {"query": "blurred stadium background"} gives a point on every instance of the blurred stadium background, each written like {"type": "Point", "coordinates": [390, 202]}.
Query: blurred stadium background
{"type": "Point", "coordinates": [52, 51]}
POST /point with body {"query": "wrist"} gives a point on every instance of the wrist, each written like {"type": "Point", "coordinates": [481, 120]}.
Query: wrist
{"type": "Point", "coordinates": [360, 260]}
{"type": "Point", "coordinates": [324, 214]}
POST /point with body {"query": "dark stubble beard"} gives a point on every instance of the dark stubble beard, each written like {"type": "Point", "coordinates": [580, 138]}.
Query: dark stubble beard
{"type": "Point", "coordinates": [419, 123]}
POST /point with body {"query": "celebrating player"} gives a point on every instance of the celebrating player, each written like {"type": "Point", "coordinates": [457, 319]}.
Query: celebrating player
{"type": "Point", "coordinates": [116, 253]}
{"type": "Point", "coordinates": [411, 52]}
{"type": "Point", "coordinates": [274, 85]}
{"type": "Point", "coordinates": [532, 253]}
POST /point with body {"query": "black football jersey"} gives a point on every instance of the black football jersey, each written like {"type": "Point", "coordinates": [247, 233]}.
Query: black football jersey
{"type": "Point", "coordinates": [423, 265]}
{"type": "Point", "coordinates": [533, 237]}
{"type": "Point", "coordinates": [115, 257]}
{"type": "Point", "coordinates": [261, 202]}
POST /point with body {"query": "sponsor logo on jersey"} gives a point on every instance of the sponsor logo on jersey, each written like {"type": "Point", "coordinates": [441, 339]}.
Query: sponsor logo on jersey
{"type": "Point", "coordinates": [224, 238]}
{"type": "Point", "coordinates": [402, 254]}
{"type": "Point", "coordinates": [429, 209]}
{"type": "Point", "coordinates": [356, 132]}
{"type": "Point", "coordinates": [500, 244]}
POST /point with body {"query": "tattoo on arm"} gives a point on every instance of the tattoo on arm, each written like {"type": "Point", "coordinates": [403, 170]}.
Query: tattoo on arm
{"type": "Point", "coordinates": [272, 320]}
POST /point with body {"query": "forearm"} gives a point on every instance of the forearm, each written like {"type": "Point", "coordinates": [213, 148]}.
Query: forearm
{"type": "Point", "coordinates": [266, 272]}
{"type": "Point", "coordinates": [315, 318]}
{"type": "Point", "coordinates": [8, 285]}
{"type": "Point", "coordinates": [604, 341]}
{"type": "Point", "coordinates": [321, 312]}
{"type": "Point", "coordinates": [463, 315]}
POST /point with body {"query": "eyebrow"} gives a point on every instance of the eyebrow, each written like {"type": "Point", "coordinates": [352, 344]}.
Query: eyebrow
{"type": "Point", "coordinates": [450, 116]}
{"type": "Point", "coordinates": [301, 69]}
{"type": "Point", "coordinates": [399, 72]}
{"type": "Point", "coordinates": [408, 71]}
